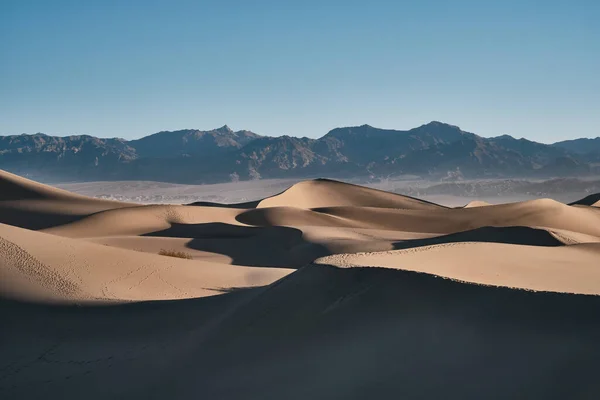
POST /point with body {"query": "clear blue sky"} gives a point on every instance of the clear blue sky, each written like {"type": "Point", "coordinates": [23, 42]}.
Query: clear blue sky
{"type": "Point", "coordinates": [131, 68]}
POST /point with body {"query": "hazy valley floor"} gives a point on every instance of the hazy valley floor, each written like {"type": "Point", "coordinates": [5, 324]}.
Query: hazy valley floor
{"type": "Point", "coordinates": [325, 290]}
{"type": "Point", "coordinates": [452, 193]}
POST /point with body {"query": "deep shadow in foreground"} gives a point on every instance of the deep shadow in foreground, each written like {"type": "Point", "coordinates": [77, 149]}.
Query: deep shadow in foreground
{"type": "Point", "coordinates": [322, 333]}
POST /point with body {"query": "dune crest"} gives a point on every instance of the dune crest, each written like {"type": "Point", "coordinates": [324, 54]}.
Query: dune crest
{"type": "Point", "coordinates": [311, 219]}
{"type": "Point", "coordinates": [33, 205]}
{"type": "Point", "coordinates": [320, 193]}
{"type": "Point", "coordinates": [14, 187]}
{"type": "Point", "coordinates": [477, 203]}
{"type": "Point", "coordinates": [334, 287]}
{"type": "Point", "coordinates": [46, 267]}
{"type": "Point", "coordinates": [591, 200]}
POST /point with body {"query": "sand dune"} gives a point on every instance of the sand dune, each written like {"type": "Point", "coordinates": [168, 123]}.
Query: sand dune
{"type": "Point", "coordinates": [14, 187]}
{"type": "Point", "coordinates": [591, 200]}
{"type": "Point", "coordinates": [327, 193]}
{"type": "Point", "coordinates": [510, 235]}
{"type": "Point", "coordinates": [38, 266]}
{"type": "Point", "coordinates": [543, 213]}
{"type": "Point", "coordinates": [521, 266]}
{"type": "Point", "coordinates": [139, 220]}
{"type": "Point", "coordinates": [32, 205]}
{"type": "Point", "coordinates": [477, 203]}
{"type": "Point", "coordinates": [326, 290]}
{"type": "Point", "coordinates": [322, 332]}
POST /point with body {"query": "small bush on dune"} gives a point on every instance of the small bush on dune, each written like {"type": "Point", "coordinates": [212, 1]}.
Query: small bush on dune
{"type": "Point", "coordinates": [173, 253]}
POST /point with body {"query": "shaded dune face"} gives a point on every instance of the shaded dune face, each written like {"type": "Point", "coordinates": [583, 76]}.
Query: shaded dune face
{"type": "Point", "coordinates": [32, 205]}
{"type": "Point", "coordinates": [591, 200]}
{"type": "Point", "coordinates": [326, 290]}
{"type": "Point", "coordinates": [407, 333]}
{"type": "Point", "coordinates": [285, 216]}
{"type": "Point", "coordinates": [309, 220]}
{"type": "Point", "coordinates": [13, 187]}
{"type": "Point", "coordinates": [534, 213]}
{"type": "Point", "coordinates": [510, 235]}
{"type": "Point", "coordinates": [241, 243]}
{"type": "Point", "coordinates": [324, 333]}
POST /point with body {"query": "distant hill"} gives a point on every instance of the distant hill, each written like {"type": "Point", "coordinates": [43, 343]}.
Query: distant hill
{"type": "Point", "coordinates": [580, 146]}
{"type": "Point", "coordinates": [433, 151]}
{"type": "Point", "coordinates": [72, 156]}
{"type": "Point", "coordinates": [191, 142]}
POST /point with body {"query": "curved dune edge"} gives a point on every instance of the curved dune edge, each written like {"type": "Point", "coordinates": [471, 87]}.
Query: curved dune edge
{"type": "Point", "coordinates": [142, 219]}
{"type": "Point", "coordinates": [565, 269]}
{"type": "Point", "coordinates": [390, 331]}
{"type": "Point", "coordinates": [477, 203]}
{"type": "Point", "coordinates": [541, 213]}
{"type": "Point", "coordinates": [319, 193]}
{"type": "Point", "coordinates": [15, 187]}
{"type": "Point", "coordinates": [569, 237]}
{"type": "Point", "coordinates": [90, 250]}
{"type": "Point", "coordinates": [591, 200]}
{"type": "Point", "coordinates": [359, 311]}
{"type": "Point", "coordinates": [33, 205]}
{"type": "Point", "coordinates": [41, 267]}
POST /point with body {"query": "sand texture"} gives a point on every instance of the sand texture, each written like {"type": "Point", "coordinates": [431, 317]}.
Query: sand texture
{"type": "Point", "coordinates": [325, 291]}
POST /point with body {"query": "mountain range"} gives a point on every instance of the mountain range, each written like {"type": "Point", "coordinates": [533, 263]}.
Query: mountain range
{"type": "Point", "coordinates": [432, 151]}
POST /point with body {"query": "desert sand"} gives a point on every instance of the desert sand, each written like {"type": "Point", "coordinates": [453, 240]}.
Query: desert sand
{"type": "Point", "coordinates": [327, 291]}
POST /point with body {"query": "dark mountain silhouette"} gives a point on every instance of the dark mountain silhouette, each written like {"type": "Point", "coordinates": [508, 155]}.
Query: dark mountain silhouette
{"type": "Point", "coordinates": [191, 142]}
{"type": "Point", "coordinates": [71, 156]}
{"type": "Point", "coordinates": [435, 150]}
{"type": "Point", "coordinates": [580, 146]}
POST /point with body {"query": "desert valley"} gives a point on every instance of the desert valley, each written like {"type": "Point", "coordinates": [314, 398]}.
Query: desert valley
{"type": "Point", "coordinates": [290, 200]}
{"type": "Point", "coordinates": [324, 290]}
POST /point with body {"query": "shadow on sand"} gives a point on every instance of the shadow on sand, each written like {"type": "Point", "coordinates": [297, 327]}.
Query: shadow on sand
{"type": "Point", "coordinates": [269, 246]}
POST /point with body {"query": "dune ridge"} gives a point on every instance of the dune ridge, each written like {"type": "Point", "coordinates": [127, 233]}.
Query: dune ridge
{"type": "Point", "coordinates": [477, 203]}
{"type": "Point", "coordinates": [321, 193]}
{"type": "Point", "coordinates": [326, 290]}
{"type": "Point", "coordinates": [33, 205]}
{"type": "Point", "coordinates": [309, 220]}
{"type": "Point", "coordinates": [591, 200]}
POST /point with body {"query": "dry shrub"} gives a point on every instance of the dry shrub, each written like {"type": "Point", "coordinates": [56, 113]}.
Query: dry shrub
{"type": "Point", "coordinates": [173, 253]}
